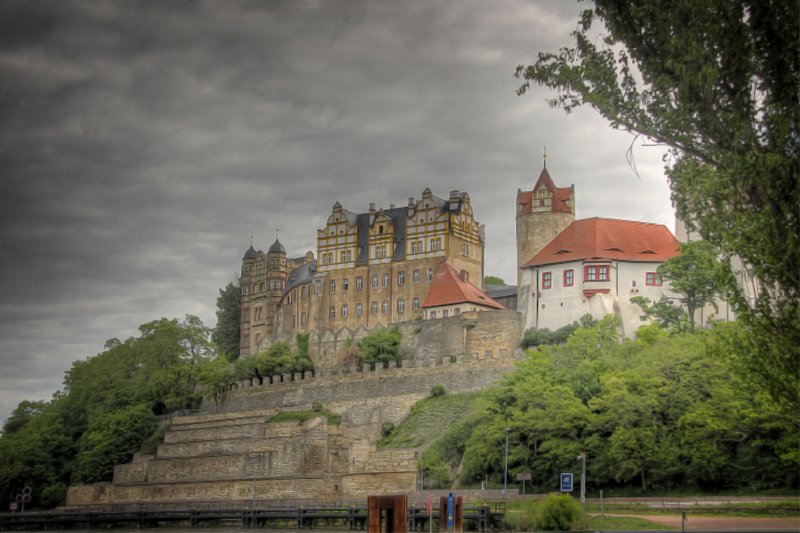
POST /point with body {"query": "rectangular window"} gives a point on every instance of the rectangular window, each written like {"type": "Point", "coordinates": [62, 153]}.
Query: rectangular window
{"type": "Point", "coordinates": [374, 281]}
{"type": "Point", "coordinates": [359, 283]}
{"type": "Point", "coordinates": [547, 280]}
{"type": "Point", "coordinates": [401, 305]}
{"type": "Point", "coordinates": [385, 306]}
{"type": "Point", "coordinates": [416, 276]}
{"type": "Point", "coordinates": [246, 289]}
{"type": "Point", "coordinates": [433, 245]}
{"type": "Point", "coordinates": [439, 243]}
{"type": "Point", "coordinates": [596, 273]}
{"type": "Point", "coordinates": [345, 284]}
{"type": "Point", "coordinates": [318, 286]}
{"type": "Point", "coordinates": [349, 255]}
{"type": "Point", "coordinates": [333, 312]}
{"type": "Point", "coordinates": [420, 248]}
{"type": "Point", "coordinates": [414, 247]}
{"type": "Point", "coordinates": [401, 278]}
{"type": "Point", "coordinates": [271, 310]}
{"type": "Point", "coordinates": [303, 293]}
{"type": "Point", "coordinates": [569, 276]}
{"type": "Point", "coordinates": [458, 311]}
{"type": "Point", "coordinates": [416, 303]}
{"type": "Point", "coordinates": [430, 274]}
{"type": "Point", "coordinates": [246, 315]}
{"type": "Point", "coordinates": [433, 314]}
{"type": "Point", "coordinates": [444, 313]}
{"type": "Point", "coordinates": [303, 319]}
{"type": "Point", "coordinates": [294, 321]}
{"type": "Point", "coordinates": [386, 280]}
{"type": "Point", "coordinates": [333, 285]}
{"type": "Point", "coordinates": [374, 308]}
{"type": "Point", "coordinates": [359, 309]}
{"type": "Point", "coordinates": [343, 256]}
{"type": "Point", "coordinates": [653, 279]}
{"type": "Point", "coordinates": [324, 259]}
{"type": "Point", "coordinates": [344, 311]}
{"type": "Point", "coordinates": [245, 341]}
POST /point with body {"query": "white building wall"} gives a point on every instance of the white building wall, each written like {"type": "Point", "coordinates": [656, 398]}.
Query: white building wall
{"type": "Point", "coordinates": [560, 305]}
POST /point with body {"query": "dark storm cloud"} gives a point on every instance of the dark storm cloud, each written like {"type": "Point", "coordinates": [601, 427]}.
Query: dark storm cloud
{"type": "Point", "coordinates": [142, 143]}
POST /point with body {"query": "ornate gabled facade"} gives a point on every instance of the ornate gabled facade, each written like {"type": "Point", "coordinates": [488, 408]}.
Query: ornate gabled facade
{"type": "Point", "coordinates": [371, 268]}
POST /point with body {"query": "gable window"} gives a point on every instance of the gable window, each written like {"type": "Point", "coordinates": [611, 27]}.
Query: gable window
{"type": "Point", "coordinates": [569, 277]}
{"type": "Point", "coordinates": [653, 279]}
{"type": "Point", "coordinates": [374, 308]}
{"type": "Point", "coordinates": [344, 311]}
{"type": "Point", "coordinates": [416, 276]}
{"type": "Point", "coordinates": [359, 283]}
{"type": "Point", "coordinates": [374, 281]}
{"type": "Point", "coordinates": [416, 303]}
{"type": "Point", "coordinates": [385, 307]}
{"type": "Point", "coordinates": [359, 309]}
{"type": "Point", "coordinates": [547, 280]}
{"type": "Point", "coordinates": [345, 284]}
{"type": "Point", "coordinates": [401, 278]}
{"type": "Point", "coordinates": [333, 312]}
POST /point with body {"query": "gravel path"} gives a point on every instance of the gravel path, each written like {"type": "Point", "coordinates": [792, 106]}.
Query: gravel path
{"type": "Point", "coordinates": [722, 522]}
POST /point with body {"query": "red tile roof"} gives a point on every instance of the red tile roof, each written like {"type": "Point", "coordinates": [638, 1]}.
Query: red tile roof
{"type": "Point", "coordinates": [610, 239]}
{"type": "Point", "coordinates": [448, 288]}
{"type": "Point", "coordinates": [560, 195]}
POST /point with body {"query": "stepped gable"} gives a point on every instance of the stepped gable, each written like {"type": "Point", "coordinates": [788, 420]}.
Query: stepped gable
{"type": "Point", "coordinates": [448, 288]}
{"type": "Point", "coordinates": [608, 239]}
{"type": "Point", "coordinates": [560, 195]}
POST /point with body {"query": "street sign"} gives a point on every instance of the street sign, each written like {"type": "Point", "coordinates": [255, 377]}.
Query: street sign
{"type": "Point", "coordinates": [12, 506]}
{"type": "Point", "coordinates": [566, 482]}
{"type": "Point", "coordinates": [524, 476]}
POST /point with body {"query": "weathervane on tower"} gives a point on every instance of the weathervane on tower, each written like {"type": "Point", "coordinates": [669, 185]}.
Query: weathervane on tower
{"type": "Point", "coordinates": [545, 156]}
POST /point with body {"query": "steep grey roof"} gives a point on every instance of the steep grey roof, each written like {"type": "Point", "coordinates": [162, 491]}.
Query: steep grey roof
{"type": "Point", "coordinates": [500, 291]}
{"type": "Point", "coordinates": [300, 275]}
{"type": "Point", "coordinates": [251, 253]}
{"type": "Point", "coordinates": [276, 247]}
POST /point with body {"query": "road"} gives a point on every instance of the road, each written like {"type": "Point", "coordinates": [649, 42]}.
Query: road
{"type": "Point", "coordinates": [719, 523]}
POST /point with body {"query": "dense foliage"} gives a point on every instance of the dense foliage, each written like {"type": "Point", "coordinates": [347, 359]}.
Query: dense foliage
{"type": "Point", "coordinates": [277, 360]}
{"type": "Point", "coordinates": [227, 332]}
{"type": "Point", "coordinates": [380, 346]}
{"type": "Point", "coordinates": [493, 280]}
{"type": "Point", "coordinates": [106, 412]}
{"type": "Point", "coordinates": [718, 83]}
{"type": "Point", "coordinates": [661, 412]}
{"type": "Point", "coordinates": [534, 337]}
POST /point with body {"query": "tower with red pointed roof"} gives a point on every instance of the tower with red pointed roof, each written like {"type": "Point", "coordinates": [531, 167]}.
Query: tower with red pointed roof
{"type": "Point", "coordinates": [542, 214]}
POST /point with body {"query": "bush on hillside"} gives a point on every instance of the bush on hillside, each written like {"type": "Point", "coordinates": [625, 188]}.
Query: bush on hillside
{"type": "Point", "coordinates": [387, 428]}
{"type": "Point", "coordinates": [381, 346]}
{"type": "Point", "coordinates": [438, 390]}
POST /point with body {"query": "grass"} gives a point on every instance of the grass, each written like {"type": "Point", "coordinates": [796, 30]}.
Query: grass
{"type": "Point", "coordinates": [429, 418]}
{"type": "Point", "coordinates": [611, 523]}
{"type": "Point", "coordinates": [304, 416]}
{"type": "Point", "coordinates": [773, 509]}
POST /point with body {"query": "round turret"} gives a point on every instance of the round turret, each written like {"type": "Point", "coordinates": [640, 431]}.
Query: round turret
{"type": "Point", "coordinates": [276, 247]}
{"type": "Point", "coordinates": [251, 253]}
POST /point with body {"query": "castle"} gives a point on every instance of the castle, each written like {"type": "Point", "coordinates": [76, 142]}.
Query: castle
{"type": "Point", "coordinates": [419, 267]}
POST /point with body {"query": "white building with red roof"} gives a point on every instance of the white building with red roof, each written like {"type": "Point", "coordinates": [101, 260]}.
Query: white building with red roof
{"type": "Point", "coordinates": [591, 266]}
{"type": "Point", "coordinates": [452, 294]}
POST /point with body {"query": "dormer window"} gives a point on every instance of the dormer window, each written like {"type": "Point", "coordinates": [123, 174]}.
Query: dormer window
{"type": "Point", "coordinates": [563, 252]}
{"type": "Point", "coordinates": [647, 252]}
{"type": "Point", "coordinates": [380, 230]}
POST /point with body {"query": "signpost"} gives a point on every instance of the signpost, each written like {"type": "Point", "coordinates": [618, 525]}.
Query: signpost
{"type": "Point", "coordinates": [566, 482]}
{"type": "Point", "coordinates": [523, 476]}
{"type": "Point", "coordinates": [450, 511]}
{"type": "Point", "coordinates": [12, 506]}
{"type": "Point", "coordinates": [24, 497]}
{"type": "Point", "coordinates": [582, 457]}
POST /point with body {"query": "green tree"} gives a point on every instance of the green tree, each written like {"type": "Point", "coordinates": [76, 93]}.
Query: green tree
{"type": "Point", "coordinates": [215, 376]}
{"type": "Point", "coordinates": [381, 346]}
{"type": "Point", "coordinates": [227, 332]}
{"type": "Point", "coordinates": [493, 280]}
{"type": "Point", "coordinates": [717, 82]}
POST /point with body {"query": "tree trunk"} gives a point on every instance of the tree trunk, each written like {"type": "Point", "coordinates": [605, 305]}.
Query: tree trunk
{"type": "Point", "coordinates": [644, 484]}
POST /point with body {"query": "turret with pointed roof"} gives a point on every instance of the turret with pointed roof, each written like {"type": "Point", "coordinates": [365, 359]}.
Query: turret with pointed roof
{"type": "Point", "coordinates": [542, 213]}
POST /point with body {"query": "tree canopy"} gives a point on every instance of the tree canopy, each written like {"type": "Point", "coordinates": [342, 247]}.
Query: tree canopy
{"type": "Point", "coordinates": [717, 82]}
{"type": "Point", "coordinates": [227, 331]}
{"type": "Point", "coordinates": [493, 280]}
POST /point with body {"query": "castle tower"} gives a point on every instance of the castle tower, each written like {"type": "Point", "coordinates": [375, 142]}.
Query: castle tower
{"type": "Point", "coordinates": [542, 213]}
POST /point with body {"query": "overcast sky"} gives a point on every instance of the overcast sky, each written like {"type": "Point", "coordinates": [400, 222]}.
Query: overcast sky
{"type": "Point", "coordinates": [142, 143]}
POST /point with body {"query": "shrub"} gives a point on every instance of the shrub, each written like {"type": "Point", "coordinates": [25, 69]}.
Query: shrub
{"type": "Point", "coordinates": [387, 428]}
{"type": "Point", "coordinates": [381, 346]}
{"type": "Point", "coordinates": [438, 390]}
{"type": "Point", "coordinates": [351, 356]}
{"type": "Point", "coordinates": [316, 405]}
{"type": "Point", "coordinates": [559, 513]}
{"type": "Point", "coordinates": [417, 329]}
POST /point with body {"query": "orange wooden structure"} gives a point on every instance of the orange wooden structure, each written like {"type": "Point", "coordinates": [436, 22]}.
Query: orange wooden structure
{"type": "Point", "coordinates": [396, 508]}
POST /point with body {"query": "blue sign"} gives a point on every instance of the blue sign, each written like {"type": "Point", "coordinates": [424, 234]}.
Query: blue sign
{"type": "Point", "coordinates": [450, 510]}
{"type": "Point", "coordinates": [566, 482]}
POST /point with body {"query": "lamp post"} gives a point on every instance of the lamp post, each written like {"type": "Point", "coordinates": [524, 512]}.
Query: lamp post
{"type": "Point", "coordinates": [505, 476]}
{"type": "Point", "coordinates": [582, 457]}
{"type": "Point", "coordinates": [422, 475]}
